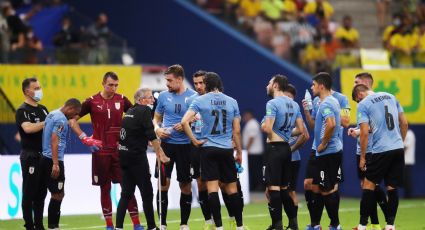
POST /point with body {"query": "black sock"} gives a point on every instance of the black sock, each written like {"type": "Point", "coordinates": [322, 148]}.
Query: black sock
{"type": "Point", "coordinates": [368, 199]}
{"type": "Point", "coordinates": [147, 198]}
{"type": "Point", "coordinates": [308, 194]}
{"type": "Point", "coordinates": [374, 214]}
{"type": "Point", "coordinates": [54, 212]}
{"type": "Point", "coordinates": [238, 184]}
{"type": "Point", "coordinates": [164, 206]}
{"type": "Point", "coordinates": [203, 202]}
{"type": "Point", "coordinates": [381, 199]}
{"type": "Point", "coordinates": [185, 207]}
{"type": "Point", "coordinates": [38, 214]}
{"type": "Point", "coordinates": [235, 204]}
{"type": "Point", "coordinates": [27, 211]}
{"type": "Point", "coordinates": [214, 203]}
{"type": "Point", "coordinates": [269, 207]}
{"type": "Point", "coordinates": [226, 202]}
{"type": "Point", "coordinates": [288, 204]}
{"type": "Point", "coordinates": [122, 209]}
{"type": "Point", "coordinates": [317, 206]}
{"type": "Point", "coordinates": [332, 206]}
{"type": "Point", "coordinates": [276, 208]}
{"type": "Point", "coordinates": [392, 206]}
{"type": "Point", "coordinates": [293, 222]}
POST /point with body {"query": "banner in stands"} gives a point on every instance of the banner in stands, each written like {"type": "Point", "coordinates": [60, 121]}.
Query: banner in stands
{"type": "Point", "coordinates": [79, 190]}
{"type": "Point", "coordinates": [408, 85]}
{"type": "Point", "coordinates": [62, 82]}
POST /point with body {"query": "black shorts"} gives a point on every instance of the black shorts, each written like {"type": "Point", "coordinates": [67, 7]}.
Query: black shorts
{"type": "Point", "coordinates": [277, 167]}
{"type": "Point", "coordinates": [218, 164]}
{"type": "Point", "coordinates": [311, 168]}
{"type": "Point", "coordinates": [295, 169]}
{"type": "Point", "coordinates": [46, 181]}
{"type": "Point", "coordinates": [329, 171]}
{"type": "Point", "coordinates": [388, 166]}
{"type": "Point", "coordinates": [362, 174]}
{"type": "Point", "coordinates": [179, 154]}
{"type": "Point", "coordinates": [195, 162]}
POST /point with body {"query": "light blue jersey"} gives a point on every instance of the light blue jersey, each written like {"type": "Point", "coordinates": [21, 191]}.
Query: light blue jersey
{"type": "Point", "coordinates": [172, 108]}
{"type": "Point", "coordinates": [345, 105]}
{"type": "Point", "coordinates": [296, 156]}
{"type": "Point", "coordinates": [328, 108]}
{"type": "Point", "coordinates": [217, 111]}
{"type": "Point", "coordinates": [380, 111]}
{"type": "Point", "coordinates": [57, 123]}
{"type": "Point", "coordinates": [198, 123]}
{"type": "Point", "coordinates": [285, 111]}
{"type": "Point", "coordinates": [369, 144]}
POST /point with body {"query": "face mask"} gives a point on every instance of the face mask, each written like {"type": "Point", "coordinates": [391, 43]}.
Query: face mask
{"type": "Point", "coordinates": [38, 95]}
{"type": "Point", "coordinates": [150, 106]}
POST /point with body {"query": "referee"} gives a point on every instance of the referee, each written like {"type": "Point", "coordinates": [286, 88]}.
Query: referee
{"type": "Point", "coordinates": [30, 118]}
{"type": "Point", "coordinates": [136, 130]}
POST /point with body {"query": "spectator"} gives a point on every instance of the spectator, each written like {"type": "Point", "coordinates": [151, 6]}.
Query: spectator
{"type": "Point", "coordinates": [67, 42]}
{"type": "Point", "coordinates": [409, 158]}
{"type": "Point", "coordinates": [263, 32]}
{"type": "Point", "coordinates": [281, 44]}
{"type": "Point", "coordinates": [394, 28]}
{"type": "Point", "coordinates": [320, 8]}
{"type": "Point", "coordinates": [4, 38]}
{"type": "Point", "coordinates": [289, 10]}
{"type": "Point", "coordinates": [272, 10]}
{"type": "Point", "coordinates": [97, 36]}
{"type": "Point", "coordinates": [314, 57]}
{"type": "Point", "coordinates": [420, 47]}
{"type": "Point", "coordinates": [32, 47]}
{"type": "Point", "coordinates": [346, 56]}
{"type": "Point", "coordinates": [401, 47]}
{"type": "Point", "coordinates": [348, 33]}
{"type": "Point", "coordinates": [16, 27]}
{"type": "Point", "coordinates": [420, 11]}
{"type": "Point", "coordinates": [301, 35]}
{"type": "Point", "coordinates": [253, 143]}
{"type": "Point", "coordinates": [247, 12]}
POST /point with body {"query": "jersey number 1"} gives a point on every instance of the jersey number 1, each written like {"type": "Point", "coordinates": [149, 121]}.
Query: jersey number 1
{"type": "Point", "coordinates": [216, 114]}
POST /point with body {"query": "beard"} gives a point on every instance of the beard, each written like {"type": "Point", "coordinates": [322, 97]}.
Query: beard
{"type": "Point", "coordinates": [270, 93]}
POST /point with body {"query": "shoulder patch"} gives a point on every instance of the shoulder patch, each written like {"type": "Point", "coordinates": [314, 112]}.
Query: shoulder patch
{"type": "Point", "coordinates": [327, 111]}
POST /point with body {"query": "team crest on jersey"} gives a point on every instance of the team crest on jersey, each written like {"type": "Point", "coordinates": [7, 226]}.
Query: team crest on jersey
{"type": "Point", "coordinates": [60, 185]}
{"type": "Point", "coordinates": [60, 128]}
{"type": "Point", "coordinates": [117, 105]}
{"type": "Point", "coordinates": [31, 170]}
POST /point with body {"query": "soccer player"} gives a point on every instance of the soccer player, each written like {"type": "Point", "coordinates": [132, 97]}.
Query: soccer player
{"type": "Point", "coordinates": [171, 107]}
{"type": "Point", "coordinates": [196, 124]}
{"type": "Point", "coordinates": [312, 190]}
{"type": "Point", "coordinates": [381, 114]}
{"type": "Point", "coordinates": [136, 131]}
{"type": "Point", "coordinates": [30, 118]}
{"type": "Point", "coordinates": [221, 117]}
{"type": "Point", "coordinates": [52, 174]}
{"type": "Point", "coordinates": [328, 151]}
{"type": "Point", "coordinates": [381, 198]}
{"type": "Point", "coordinates": [282, 115]}
{"type": "Point", "coordinates": [296, 141]}
{"type": "Point", "coordinates": [106, 109]}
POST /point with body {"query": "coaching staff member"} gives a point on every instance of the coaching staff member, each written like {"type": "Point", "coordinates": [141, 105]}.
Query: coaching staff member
{"type": "Point", "coordinates": [136, 130]}
{"type": "Point", "coordinates": [30, 118]}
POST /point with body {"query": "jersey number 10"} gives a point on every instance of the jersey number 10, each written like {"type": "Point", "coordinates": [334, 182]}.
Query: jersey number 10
{"type": "Point", "coordinates": [216, 114]}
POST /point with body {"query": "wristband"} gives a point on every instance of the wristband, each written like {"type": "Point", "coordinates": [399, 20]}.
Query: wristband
{"type": "Point", "coordinates": [82, 135]}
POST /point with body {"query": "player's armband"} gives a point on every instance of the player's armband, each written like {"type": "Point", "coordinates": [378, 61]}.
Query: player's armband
{"type": "Point", "coordinates": [345, 112]}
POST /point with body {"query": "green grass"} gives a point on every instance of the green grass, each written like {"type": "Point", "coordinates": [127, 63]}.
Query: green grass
{"type": "Point", "coordinates": [410, 216]}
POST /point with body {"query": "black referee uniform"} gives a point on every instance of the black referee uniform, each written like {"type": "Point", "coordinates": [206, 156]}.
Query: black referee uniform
{"type": "Point", "coordinates": [136, 130]}
{"type": "Point", "coordinates": [31, 145]}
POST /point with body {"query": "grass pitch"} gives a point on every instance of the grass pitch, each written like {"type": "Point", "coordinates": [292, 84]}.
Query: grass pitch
{"type": "Point", "coordinates": [410, 216]}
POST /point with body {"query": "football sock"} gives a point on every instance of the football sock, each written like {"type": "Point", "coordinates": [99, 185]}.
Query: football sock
{"type": "Point", "coordinates": [54, 212]}
{"type": "Point", "coordinates": [185, 207]}
{"type": "Point", "coordinates": [235, 204]}
{"type": "Point", "coordinates": [203, 202]}
{"type": "Point", "coordinates": [308, 194]}
{"type": "Point", "coordinates": [332, 207]}
{"type": "Point", "coordinates": [368, 199]}
{"type": "Point", "coordinates": [106, 203]}
{"type": "Point", "coordinates": [276, 208]}
{"type": "Point", "coordinates": [392, 206]}
{"type": "Point", "coordinates": [133, 210]}
{"type": "Point", "coordinates": [226, 202]}
{"type": "Point", "coordinates": [164, 206]}
{"type": "Point", "coordinates": [381, 199]}
{"type": "Point", "coordinates": [214, 203]}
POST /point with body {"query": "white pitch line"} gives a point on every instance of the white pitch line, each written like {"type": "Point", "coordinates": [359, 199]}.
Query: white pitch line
{"type": "Point", "coordinates": [250, 216]}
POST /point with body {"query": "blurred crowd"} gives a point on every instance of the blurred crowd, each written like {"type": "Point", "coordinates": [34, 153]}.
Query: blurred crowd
{"type": "Point", "coordinates": [70, 45]}
{"type": "Point", "coordinates": [300, 31]}
{"type": "Point", "coordinates": [404, 38]}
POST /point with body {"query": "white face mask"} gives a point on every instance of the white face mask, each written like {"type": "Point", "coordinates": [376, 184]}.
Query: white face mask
{"type": "Point", "coordinates": [38, 95]}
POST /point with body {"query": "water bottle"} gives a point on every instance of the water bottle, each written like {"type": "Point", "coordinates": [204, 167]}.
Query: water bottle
{"type": "Point", "coordinates": [307, 98]}
{"type": "Point", "coordinates": [198, 123]}
{"type": "Point", "coordinates": [239, 167]}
